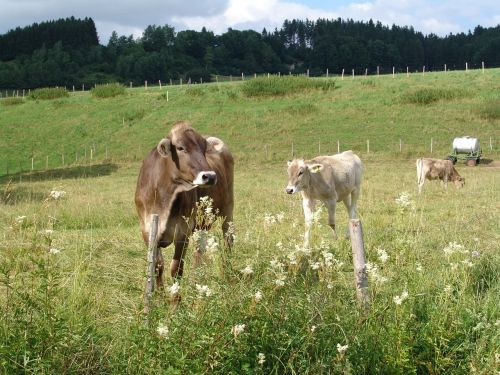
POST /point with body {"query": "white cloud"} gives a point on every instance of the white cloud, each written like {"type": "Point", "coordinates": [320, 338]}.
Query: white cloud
{"type": "Point", "coordinates": [132, 16]}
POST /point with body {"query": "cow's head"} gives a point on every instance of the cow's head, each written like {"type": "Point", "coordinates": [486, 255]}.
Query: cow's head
{"type": "Point", "coordinates": [299, 174]}
{"type": "Point", "coordinates": [188, 150]}
{"type": "Point", "coordinates": [459, 182]}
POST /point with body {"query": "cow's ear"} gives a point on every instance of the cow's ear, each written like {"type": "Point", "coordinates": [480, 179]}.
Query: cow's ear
{"type": "Point", "coordinates": [164, 147]}
{"type": "Point", "coordinates": [289, 162]}
{"type": "Point", "coordinates": [315, 168]}
{"type": "Point", "coordinates": [214, 144]}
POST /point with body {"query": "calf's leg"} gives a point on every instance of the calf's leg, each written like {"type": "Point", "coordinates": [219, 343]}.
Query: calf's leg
{"type": "Point", "coordinates": [331, 205]}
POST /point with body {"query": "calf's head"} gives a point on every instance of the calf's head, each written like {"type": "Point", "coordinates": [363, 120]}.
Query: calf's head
{"type": "Point", "coordinates": [188, 150]}
{"type": "Point", "coordinates": [299, 175]}
{"type": "Point", "coordinates": [459, 182]}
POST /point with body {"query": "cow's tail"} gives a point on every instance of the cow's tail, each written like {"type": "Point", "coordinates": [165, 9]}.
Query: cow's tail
{"type": "Point", "coordinates": [420, 171]}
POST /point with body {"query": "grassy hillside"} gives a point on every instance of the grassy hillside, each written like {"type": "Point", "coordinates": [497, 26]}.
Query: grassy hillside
{"type": "Point", "coordinates": [72, 269]}
{"type": "Point", "coordinates": [382, 110]}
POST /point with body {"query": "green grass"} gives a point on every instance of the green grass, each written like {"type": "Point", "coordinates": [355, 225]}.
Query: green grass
{"type": "Point", "coordinates": [108, 91]}
{"type": "Point", "coordinates": [12, 101]}
{"type": "Point", "coordinates": [48, 93]}
{"type": "Point", "coordinates": [80, 310]}
{"type": "Point", "coordinates": [279, 86]}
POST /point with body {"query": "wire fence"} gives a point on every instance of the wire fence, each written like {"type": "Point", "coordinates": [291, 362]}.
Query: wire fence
{"type": "Point", "coordinates": [385, 71]}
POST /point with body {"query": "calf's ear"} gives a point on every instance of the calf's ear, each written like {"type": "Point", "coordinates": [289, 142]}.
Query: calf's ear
{"type": "Point", "coordinates": [163, 147]}
{"type": "Point", "coordinates": [315, 168]}
{"type": "Point", "coordinates": [214, 144]}
{"type": "Point", "coordinates": [289, 162]}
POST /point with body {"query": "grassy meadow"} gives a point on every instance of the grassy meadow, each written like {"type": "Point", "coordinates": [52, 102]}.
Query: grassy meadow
{"type": "Point", "coordinates": [72, 267]}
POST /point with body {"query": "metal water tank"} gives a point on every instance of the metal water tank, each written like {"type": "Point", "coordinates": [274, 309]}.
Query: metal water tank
{"type": "Point", "coordinates": [465, 145]}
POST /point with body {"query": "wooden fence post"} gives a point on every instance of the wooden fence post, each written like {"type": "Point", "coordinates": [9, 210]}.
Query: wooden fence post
{"type": "Point", "coordinates": [338, 146]}
{"type": "Point", "coordinates": [293, 151]}
{"type": "Point", "coordinates": [367, 146]}
{"type": "Point", "coordinates": [151, 268]}
{"type": "Point", "coordinates": [400, 145]}
{"type": "Point", "coordinates": [353, 73]}
{"type": "Point", "coordinates": [32, 163]}
{"type": "Point", "coordinates": [47, 162]}
{"type": "Point", "coordinates": [432, 141]}
{"type": "Point", "coordinates": [482, 66]}
{"type": "Point", "coordinates": [359, 262]}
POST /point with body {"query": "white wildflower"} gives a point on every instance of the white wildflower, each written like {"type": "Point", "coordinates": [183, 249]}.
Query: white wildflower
{"type": "Point", "coordinates": [405, 202]}
{"type": "Point", "coordinates": [329, 285]}
{"type": "Point", "coordinates": [203, 290]}
{"type": "Point", "coordinates": [258, 296]}
{"type": "Point", "coordinates": [247, 271]}
{"type": "Point", "coordinates": [20, 219]}
{"type": "Point", "coordinates": [315, 265]}
{"type": "Point", "coordinates": [48, 232]}
{"type": "Point", "coordinates": [328, 257]}
{"type": "Point", "coordinates": [454, 247]}
{"type": "Point", "coordinates": [313, 328]}
{"type": "Point", "coordinates": [174, 289]}
{"type": "Point", "coordinates": [419, 267]}
{"type": "Point", "coordinates": [280, 282]}
{"type": "Point", "coordinates": [448, 289]}
{"type": "Point", "coordinates": [57, 194]}
{"type": "Point", "coordinates": [162, 331]}
{"type": "Point", "coordinates": [212, 244]}
{"type": "Point", "coordinates": [238, 329]}
{"type": "Point", "coordinates": [269, 219]}
{"type": "Point", "coordinates": [279, 245]}
{"type": "Point", "coordinates": [475, 254]}
{"type": "Point", "coordinates": [292, 258]}
{"type": "Point", "coordinates": [54, 251]}
{"type": "Point", "coordinates": [276, 265]}
{"type": "Point", "coordinates": [382, 255]}
{"type": "Point", "coordinates": [342, 348]}
{"type": "Point", "coordinates": [261, 358]}
{"type": "Point", "coordinates": [398, 300]}
{"type": "Point", "coordinates": [280, 216]}
{"type": "Point", "coordinates": [467, 262]}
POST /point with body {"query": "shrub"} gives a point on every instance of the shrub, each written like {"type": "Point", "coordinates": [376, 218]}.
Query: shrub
{"type": "Point", "coordinates": [12, 101]}
{"type": "Point", "coordinates": [490, 110]}
{"type": "Point", "coordinates": [279, 86]}
{"type": "Point", "coordinates": [195, 91]}
{"type": "Point", "coordinates": [430, 95]}
{"type": "Point", "coordinates": [48, 93]}
{"type": "Point", "coordinates": [108, 91]}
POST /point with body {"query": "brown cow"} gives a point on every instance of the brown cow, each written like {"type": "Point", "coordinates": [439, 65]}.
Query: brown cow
{"type": "Point", "coordinates": [183, 168]}
{"type": "Point", "coordinates": [437, 169]}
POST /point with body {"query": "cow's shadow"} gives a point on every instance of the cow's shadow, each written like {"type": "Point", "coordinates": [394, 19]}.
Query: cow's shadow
{"type": "Point", "coordinates": [78, 171]}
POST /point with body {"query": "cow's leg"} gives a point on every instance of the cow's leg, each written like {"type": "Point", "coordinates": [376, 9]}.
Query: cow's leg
{"type": "Point", "coordinates": [177, 263]}
{"type": "Point", "coordinates": [309, 205]}
{"type": "Point", "coordinates": [331, 205]}
{"type": "Point", "coordinates": [351, 204]}
{"type": "Point", "coordinates": [420, 185]}
{"type": "Point", "coordinates": [228, 230]}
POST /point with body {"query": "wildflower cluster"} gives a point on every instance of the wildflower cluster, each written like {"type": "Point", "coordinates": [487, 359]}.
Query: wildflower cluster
{"type": "Point", "coordinates": [398, 300]}
{"type": "Point", "coordinates": [278, 270]}
{"type": "Point", "coordinates": [374, 273]}
{"type": "Point", "coordinates": [270, 219]}
{"type": "Point", "coordinates": [454, 249]}
{"type": "Point", "coordinates": [203, 291]}
{"type": "Point", "coordinates": [205, 215]}
{"type": "Point", "coordinates": [205, 241]}
{"type": "Point", "coordinates": [405, 202]}
{"type": "Point", "coordinates": [57, 194]}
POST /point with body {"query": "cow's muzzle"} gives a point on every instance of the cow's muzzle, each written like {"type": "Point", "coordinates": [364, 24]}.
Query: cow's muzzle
{"type": "Point", "coordinates": [205, 178]}
{"type": "Point", "coordinates": [290, 190]}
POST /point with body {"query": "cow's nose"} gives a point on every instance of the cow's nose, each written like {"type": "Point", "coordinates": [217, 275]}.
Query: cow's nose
{"type": "Point", "coordinates": [289, 190]}
{"type": "Point", "coordinates": [207, 178]}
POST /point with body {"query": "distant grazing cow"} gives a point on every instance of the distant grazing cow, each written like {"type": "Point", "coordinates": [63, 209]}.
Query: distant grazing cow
{"type": "Point", "coordinates": [437, 169]}
{"type": "Point", "coordinates": [174, 175]}
{"type": "Point", "coordinates": [330, 179]}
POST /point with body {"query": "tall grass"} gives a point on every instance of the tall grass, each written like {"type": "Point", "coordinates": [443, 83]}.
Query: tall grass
{"type": "Point", "coordinates": [279, 86]}
{"type": "Point", "coordinates": [48, 93]}
{"type": "Point", "coordinates": [433, 307]}
{"type": "Point", "coordinates": [108, 91]}
{"type": "Point", "coordinates": [12, 101]}
{"type": "Point", "coordinates": [426, 96]}
{"type": "Point", "coordinates": [490, 109]}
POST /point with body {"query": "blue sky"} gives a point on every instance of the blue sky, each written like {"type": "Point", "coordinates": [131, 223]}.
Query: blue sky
{"type": "Point", "coordinates": [132, 17]}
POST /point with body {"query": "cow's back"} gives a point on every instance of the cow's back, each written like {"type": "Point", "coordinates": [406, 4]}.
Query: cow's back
{"type": "Point", "coordinates": [344, 171]}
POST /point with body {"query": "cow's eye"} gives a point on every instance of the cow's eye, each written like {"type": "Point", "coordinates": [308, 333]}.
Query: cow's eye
{"type": "Point", "coordinates": [180, 148]}
{"type": "Point", "coordinates": [300, 173]}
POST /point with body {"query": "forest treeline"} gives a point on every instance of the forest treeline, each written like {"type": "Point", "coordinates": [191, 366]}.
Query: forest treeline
{"type": "Point", "coordinates": [67, 52]}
